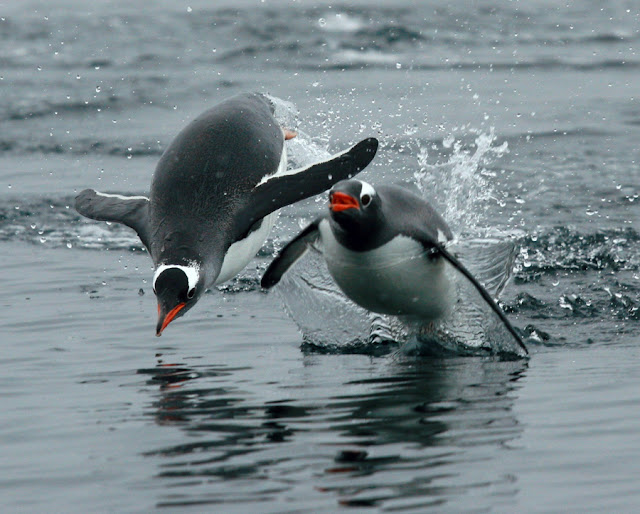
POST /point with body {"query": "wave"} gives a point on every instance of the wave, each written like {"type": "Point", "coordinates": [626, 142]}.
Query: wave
{"type": "Point", "coordinates": [82, 146]}
{"type": "Point", "coordinates": [295, 36]}
{"type": "Point", "coordinates": [563, 249]}
{"type": "Point", "coordinates": [350, 60]}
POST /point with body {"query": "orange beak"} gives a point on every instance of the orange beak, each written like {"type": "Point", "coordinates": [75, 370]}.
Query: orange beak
{"type": "Point", "coordinates": [163, 322]}
{"type": "Point", "coordinates": [342, 201]}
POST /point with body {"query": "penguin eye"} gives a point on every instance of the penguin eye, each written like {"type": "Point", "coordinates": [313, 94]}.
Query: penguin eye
{"type": "Point", "coordinates": [365, 200]}
{"type": "Point", "coordinates": [191, 292]}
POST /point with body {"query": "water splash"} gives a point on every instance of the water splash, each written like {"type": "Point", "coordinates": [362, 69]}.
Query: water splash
{"type": "Point", "coordinates": [331, 322]}
{"type": "Point", "coordinates": [463, 183]}
{"type": "Point", "coordinates": [302, 150]}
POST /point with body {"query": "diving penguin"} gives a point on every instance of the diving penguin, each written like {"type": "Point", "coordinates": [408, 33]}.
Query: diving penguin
{"type": "Point", "coordinates": [214, 197]}
{"type": "Point", "coordinates": [386, 249]}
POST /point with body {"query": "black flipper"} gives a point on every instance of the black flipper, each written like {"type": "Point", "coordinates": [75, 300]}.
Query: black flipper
{"type": "Point", "coordinates": [278, 191]}
{"type": "Point", "coordinates": [132, 211]}
{"type": "Point", "coordinates": [293, 250]}
{"type": "Point", "coordinates": [430, 246]}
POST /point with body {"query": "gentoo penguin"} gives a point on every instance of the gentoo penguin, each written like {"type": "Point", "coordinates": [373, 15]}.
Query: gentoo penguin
{"type": "Point", "coordinates": [386, 249]}
{"type": "Point", "coordinates": [214, 195]}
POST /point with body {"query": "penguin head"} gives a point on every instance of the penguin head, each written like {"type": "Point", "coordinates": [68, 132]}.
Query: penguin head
{"type": "Point", "coordinates": [354, 205]}
{"type": "Point", "coordinates": [177, 289]}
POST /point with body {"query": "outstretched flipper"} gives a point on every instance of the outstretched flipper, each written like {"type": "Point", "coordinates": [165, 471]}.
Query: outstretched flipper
{"type": "Point", "coordinates": [279, 190]}
{"type": "Point", "coordinates": [431, 246]}
{"type": "Point", "coordinates": [132, 211]}
{"type": "Point", "coordinates": [293, 250]}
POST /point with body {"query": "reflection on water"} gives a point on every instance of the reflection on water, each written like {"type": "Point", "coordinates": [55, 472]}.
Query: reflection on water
{"type": "Point", "coordinates": [393, 435]}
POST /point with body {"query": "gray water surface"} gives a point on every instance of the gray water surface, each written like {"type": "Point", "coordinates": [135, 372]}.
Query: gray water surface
{"type": "Point", "coordinates": [519, 121]}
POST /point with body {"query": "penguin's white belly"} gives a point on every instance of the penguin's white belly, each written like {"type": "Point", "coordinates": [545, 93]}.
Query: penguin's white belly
{"type": "Point", "coordinates": [241, 252]}
{"type": "Point", "coordinates": [397, 278]}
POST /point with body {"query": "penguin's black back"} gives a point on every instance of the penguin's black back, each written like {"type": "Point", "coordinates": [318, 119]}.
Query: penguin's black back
{"type": "Point", "coordinates": [409, 214]}
{"type": "Point", "coordinates": [211, 165]}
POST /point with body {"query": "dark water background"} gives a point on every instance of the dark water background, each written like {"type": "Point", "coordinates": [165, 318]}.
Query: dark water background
{"type": "Point", "coordinates": [520, 120]}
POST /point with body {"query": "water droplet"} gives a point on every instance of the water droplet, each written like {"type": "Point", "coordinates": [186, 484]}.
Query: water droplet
{"type": "Point", "coordinates": [398, 66]}
{"type": "Point", "coordinates": [69, 245]}
{"type": "Point", "coordinates": [448, 141]}
{"type": "Point", "coordinates": [322, 22]}
{"type": "Point", "coordinates": [189, 9]}
{"type": "Point", "coordinates": [9, 186]}
{"type": "Point", "coordinates": [98, 89]}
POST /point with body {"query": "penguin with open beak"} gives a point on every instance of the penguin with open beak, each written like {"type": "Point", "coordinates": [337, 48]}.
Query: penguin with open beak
{"type": "Point", "coordinates": [385, 247]}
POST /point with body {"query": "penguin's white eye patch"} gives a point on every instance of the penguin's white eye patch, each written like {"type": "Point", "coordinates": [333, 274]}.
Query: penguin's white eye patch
{"type": "Point", "coordinates": [366, 193]}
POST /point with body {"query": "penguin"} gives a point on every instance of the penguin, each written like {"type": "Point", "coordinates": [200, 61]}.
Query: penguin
{"type": "Point", "coordinates": [385, 247]}
{"type": "Point", "coordinates": [214, 196]}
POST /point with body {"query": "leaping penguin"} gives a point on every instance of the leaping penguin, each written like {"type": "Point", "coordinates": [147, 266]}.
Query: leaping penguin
{"type": "Point", "coordinates": [386, 250]}
{"type": "Point", "coordinates": [214, 195]}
